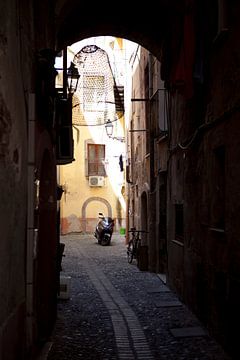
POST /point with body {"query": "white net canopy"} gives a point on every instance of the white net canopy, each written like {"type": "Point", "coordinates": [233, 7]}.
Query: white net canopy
{"type": "Point", "coordinates": [97, 98]}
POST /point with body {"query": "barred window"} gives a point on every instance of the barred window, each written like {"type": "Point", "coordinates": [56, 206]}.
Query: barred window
{"type": "Point", "coordinates": [96, 160]}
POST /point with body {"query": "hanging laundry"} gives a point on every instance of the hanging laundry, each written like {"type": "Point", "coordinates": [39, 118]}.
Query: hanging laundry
{"type": "Point", "coordinates": [121, 162]}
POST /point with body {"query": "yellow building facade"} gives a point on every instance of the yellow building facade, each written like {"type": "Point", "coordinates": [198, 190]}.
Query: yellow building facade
{"type": "Point", "coordinates": [95, 181]}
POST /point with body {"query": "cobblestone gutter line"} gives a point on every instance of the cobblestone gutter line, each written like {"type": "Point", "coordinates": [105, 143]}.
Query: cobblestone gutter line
{"type": "Point", "coordinates": [130, 339]}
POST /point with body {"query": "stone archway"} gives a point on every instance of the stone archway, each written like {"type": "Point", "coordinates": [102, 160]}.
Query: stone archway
{"type": "Point", "coordinates": [86, 203]}
{"type": "Point", "coordinates": [77, 20]}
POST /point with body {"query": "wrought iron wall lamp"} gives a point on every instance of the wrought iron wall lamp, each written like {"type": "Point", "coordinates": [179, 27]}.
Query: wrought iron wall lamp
{"type": "Point", "coordinates": [72, 78]}
{"type": "Point", "coordinates": [109, 131]}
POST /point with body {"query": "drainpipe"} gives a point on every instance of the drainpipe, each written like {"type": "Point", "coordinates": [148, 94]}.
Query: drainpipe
{"type": "Point", "coordinates": [31, 231]}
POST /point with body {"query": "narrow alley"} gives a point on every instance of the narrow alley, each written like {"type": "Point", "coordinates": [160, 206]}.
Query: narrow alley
{"type": "Point", "coordinates": [115, 311]}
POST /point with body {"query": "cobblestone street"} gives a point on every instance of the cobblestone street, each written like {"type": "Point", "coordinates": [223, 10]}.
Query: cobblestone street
{"type": "Point", "coordinates": [115, 311]}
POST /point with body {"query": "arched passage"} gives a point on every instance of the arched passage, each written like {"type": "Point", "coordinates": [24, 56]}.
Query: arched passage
{"type": "Point", "coordinates": [204, 165]}
{"type": "Point", "coordinates": [78, 20]}
{"type": "Point", "coordinates": [87, 202]}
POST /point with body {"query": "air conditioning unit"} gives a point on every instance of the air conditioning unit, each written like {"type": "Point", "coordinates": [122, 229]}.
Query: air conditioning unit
{"type": "Point", "coordinates": [96, 180]}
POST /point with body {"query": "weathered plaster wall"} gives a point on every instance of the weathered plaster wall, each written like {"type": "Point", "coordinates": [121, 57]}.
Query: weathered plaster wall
{"type": "Point", "coordinates": [13, 175]}
{"type": "Point", "coordinates": [204, 269]}
{"type": "Point", "coordinates": [81, 203]}
{"type": "Point", "coordinates": [208, 262]}
{"type": "Point", "coordinates": [18, 62]}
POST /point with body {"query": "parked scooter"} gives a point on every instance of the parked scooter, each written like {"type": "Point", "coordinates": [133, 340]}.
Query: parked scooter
{"type": "Point", "coordinates": [104, 230]}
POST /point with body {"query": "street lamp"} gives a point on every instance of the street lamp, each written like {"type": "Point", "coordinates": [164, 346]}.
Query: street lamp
{"type": "Point", "coordinates": [109, 131]}
{"type": "Point", "coordinates": [72, 78]}
{"type": "Point", "coordinates": [109, 128]}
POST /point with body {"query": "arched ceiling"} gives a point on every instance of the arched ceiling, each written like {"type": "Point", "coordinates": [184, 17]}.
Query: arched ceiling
{"type": "Point", "coordinates": [146, 24]}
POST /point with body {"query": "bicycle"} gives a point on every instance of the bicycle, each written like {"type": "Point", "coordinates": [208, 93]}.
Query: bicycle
{"type": "Point", "coordinates": [134, 244]}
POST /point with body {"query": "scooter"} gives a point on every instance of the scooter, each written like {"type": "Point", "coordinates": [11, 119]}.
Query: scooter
{"type": "Point", "coordinates": [104, 230]}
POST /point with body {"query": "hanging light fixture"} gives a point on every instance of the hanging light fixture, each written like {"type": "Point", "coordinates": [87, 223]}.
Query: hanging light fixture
{"type": "Point", "coordinates": [109, 128]}
{"type": "Point", "coordinates": [72, 78]}
{"type": "Point", "coordinates": [109, 131]}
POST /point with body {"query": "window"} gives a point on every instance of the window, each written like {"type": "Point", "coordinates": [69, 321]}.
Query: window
{"type": "Point", "coordinates": [179, 225]}
{"type": "Point", "coordinates": [64, 135]}
{"type": "Point", "coordinates": [159, 111]}
{"type": "Point", "coordinates": [96, 160]}
{"type": "Point", "coordinates": [119, 98]}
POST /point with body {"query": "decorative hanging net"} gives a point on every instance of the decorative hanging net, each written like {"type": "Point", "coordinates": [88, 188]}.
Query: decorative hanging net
{"type": "Point", "coordinates": [97, 98]}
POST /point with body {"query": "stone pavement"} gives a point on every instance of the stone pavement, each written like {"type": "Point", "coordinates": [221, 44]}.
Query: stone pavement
{"type": "Point", "coordinates": [115, 311]}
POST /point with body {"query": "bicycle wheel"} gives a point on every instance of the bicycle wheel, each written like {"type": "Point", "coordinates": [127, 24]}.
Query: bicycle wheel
{"type": "Point", "coordinates": [137, 248]}
{"type": "Point", "coordinates": [130, 251]}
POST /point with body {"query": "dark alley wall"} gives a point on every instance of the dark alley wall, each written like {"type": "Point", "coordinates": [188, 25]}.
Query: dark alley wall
{"type": "Point", "coordinates": [21, 146]}
{"type": "Point", "coordinates": [203, 171]}
{"type": "Point", "coordinates": [200, 67]}
{"type": "Point", "coordinates": [200, 175]}
{"type": "Point", "coordinates": [13, 179]}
